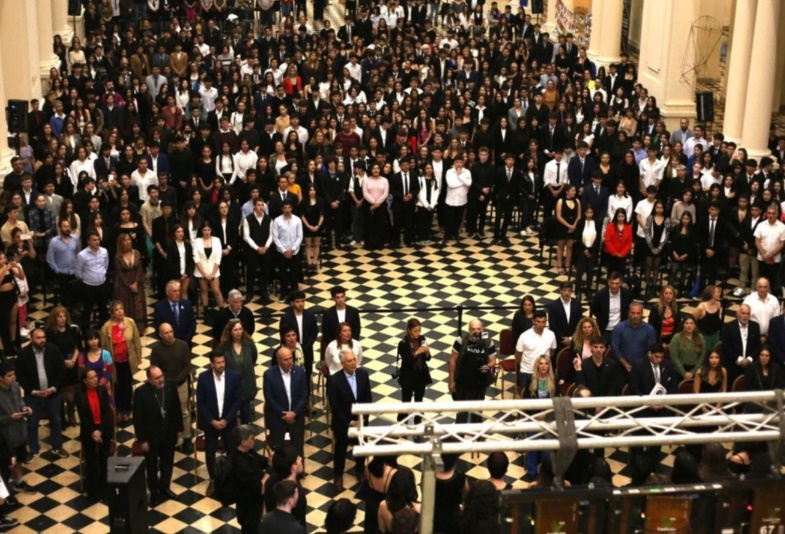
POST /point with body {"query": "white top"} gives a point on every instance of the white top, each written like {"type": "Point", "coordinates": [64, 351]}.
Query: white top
{"type": "Point", "coordinates": [242, 162]}
{"type": "Point", "coordinates": [332, 354]}
{"type": "Point", "coordinates": [763, 311]}
{"type": "Point", "coordinates": [614, 311]}
{"type": "Point", "coordinates": [457, 187]}
{"type": "Point", "coordinates": [287, 385]}
{"type": "Point", "coordinates": [550, 176]}
{"type": "Point", "coordinates": [589, 235]}
{"type": "Point", "coordinates": [208, 262]}
{"type": "Point", "coordinates": [532, 345]}
{"type": "Point", "coordinates": [643, 210]}
{"type": "Point", "coordinates": [220, 391]}
{"type": "Point", "coordinates": [142, 181]}
{"type": "Point", "coordinates": [614, 203]}
{"type": "Point", "coordinates": [770, 235]}
{"type": "Point", "coordinates": [287, 234]}
{"type": "Point", "coordinates": [651, 173]}
{"type": "Point", "coordinates": [181, 253]}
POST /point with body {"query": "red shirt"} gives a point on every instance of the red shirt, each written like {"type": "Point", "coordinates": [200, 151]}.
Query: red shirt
{"type": "Point", "coordinates": [120, 352]}
{"type": "Point", "coordinates": [95, 405]}
{"type": "Point", "coordinates": [617, 244]}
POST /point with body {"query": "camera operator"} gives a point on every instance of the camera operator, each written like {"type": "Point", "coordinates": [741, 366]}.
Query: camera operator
{"type": "Point", "coordinates": [472, 368]}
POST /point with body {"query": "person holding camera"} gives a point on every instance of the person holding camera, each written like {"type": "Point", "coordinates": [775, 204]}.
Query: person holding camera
{"type": "Point", "coordinates": [472, 368]}
{"type": "Point", "coordinates": [413, 375]}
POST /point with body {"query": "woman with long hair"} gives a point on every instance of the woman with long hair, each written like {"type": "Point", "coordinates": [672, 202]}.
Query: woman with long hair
{"type": "Point", "coordinates": [96, 422]}
{"type": "Point", "coordinates": [708, 315]}
{"type": "Point", "coordinates": [618, 242]}
{"type": "Point", "coordinates": [289, 340]}
{"type": "Point", "coordinates": [312, 213]}
{"type": "Point", "coordinates": [523, 318]}
{"type": "Point", "coordinates": [207, 260]}
{"type": "Point", "coordinates": [568, 213]}
{"type": "Point", "coordinates": [344, 340]}
{"type": "Point", "coordinates": [379, 472]}
{"type": "Point", "coordinates": [414, 354]}
{"type": "Point", "coordinates": [97, 359]}
{"type": "Point", "coordinates": [59, 332]}
{"type": "Point", "coordinates": [684, 252]}
{"type": "Point", "coordinates": [587, 251]}
{"type": "Point", "coordinates": [586, 330]}
{"type": "Point", "coordinates": [180, 260]}
{"type": "Point", "coordinates": [129, 279]}
{"type": "Point", "coordinates": [665, 316]}
{"type": "Point", "coordinates": [711, 377]}
{"type": "Point", "coordinates": [481, 509]}
{"type": "Point", "coordinates": [120, 336]}
{"type": "Point", "coordinates": [687, 349]}
{"type": "Point", "coordinates": [241, 355]}
{"type": "Point", "coordinates": [402, 493]}
{"type": "Point", "coordinates": [543, 386]}
{"type": "Point", "coordinates": [656, 230]}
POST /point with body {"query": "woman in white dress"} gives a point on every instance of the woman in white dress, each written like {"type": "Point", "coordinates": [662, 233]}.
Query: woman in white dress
{"type": "Point", "coordinates": [207, 259]}
{"type": "Point", "coordinates": [332, 354]}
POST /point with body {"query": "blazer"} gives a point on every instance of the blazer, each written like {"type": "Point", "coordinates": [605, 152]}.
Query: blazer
{"type": "Point", "coordinates": [185, 328]}
{"type": "Point", "coordinates": [162, 161]}
{"type": "Point", "coordinates": [275, 206]}
{"type": "Point", "coordinates": [607, 382]}
{"type": "Point", "coordinates": [580, 178]}
{"type": "Point", "coordinates": [86, 424]}
{"type": "Point", "coordinates": [655, 320]}
{"type": "Point", "coordinates": [276, 401]}
{"type": "Point", "coordinates": [720, 234]}
{"type": "Point", "coordinates": [27, 369]}
{"type": "Point", "coordinates": [173, 260]}
{"type": "Point", "coordinates": [600, 306]}
{"type": "Point", "coordinates": [149, 425]}
{"type": "Point", "coordinates": [599, 202]}
{"type": "Point", "coordinates": [557, 319]}
{"type": "Point", "coordinates": [101, 169]}
{"type": "Point", "coordinates": [396, 189]}
{"type": "Point", "coordinates": [410, 376]}
{"type": "Point", "coordinates": [642, 378]}
{"type": "Point", "coordinates": [594, 250]}
{"type": "Point", "coordinates": [225, 315]}
{"type": "Point", "coordinates": [732, 345]}
{"type": "Point", "coordinates": [310, 331]}
{"type": "Point", "coordinates": [507, 191]}
{"type": "Point", "coordinates": [207, 398]}
{"type": "Point", "coordinates": [341, 397]}
{"type": "Point", "coordinates": [506, 145]}
{"type": "Point", "coordinates": [231, 237]}
{"type": "Point", "coordinates": [132, 339]}
{"type": "Point", "coordinates": [330, 325]}
{"type": "Point", "coordinates": [208, 262]}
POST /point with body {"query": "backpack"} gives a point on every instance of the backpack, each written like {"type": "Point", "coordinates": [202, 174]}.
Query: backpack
{"type": "Point", "coordinates": [224, 488]}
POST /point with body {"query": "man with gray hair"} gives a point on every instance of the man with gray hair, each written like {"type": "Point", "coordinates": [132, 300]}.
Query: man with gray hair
{"type": "Point", "coordinates": [344, 388]}
{"type": "Point", "coordinates": [235, 310]}
{"type": "Point", "coordinates": [285, 397]}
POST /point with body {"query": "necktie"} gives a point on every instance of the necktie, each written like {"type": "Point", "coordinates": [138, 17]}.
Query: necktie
{"type": "Point", "coordinates": [558, 165]}
{"type": "Point", "coordinates": [597, 190]}
{"type": "Point", "coordinates": [657, 373]}
{"type": "Point", "coordinates": [509, 174]}
{"type": "Point", "coordinates": [581, 166]}
{"type": "Point", "coordinates": [176, 312]}
{"type": "Point", "coordinates": [196, 123]}
{"type": "Point", "coordinates": [711, 232]}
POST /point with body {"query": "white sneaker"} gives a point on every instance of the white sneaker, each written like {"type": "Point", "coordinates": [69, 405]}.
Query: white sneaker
{"type": "Point", "coordinates": [739, 292]}
{"type": "Point", "coordinates": [524, 233]}
{"type": "Point", "coordinates": [24, 332]}
{"type": "Point", "coordinates": [353, 243]}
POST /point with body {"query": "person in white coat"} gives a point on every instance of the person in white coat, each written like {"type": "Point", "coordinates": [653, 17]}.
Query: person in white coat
{"type": "Point", "coordinates": [458, 181]}
{"type": "Point", "coordinates": [207, 259]}
{"type": "Point", "coordinates": [427, 201]}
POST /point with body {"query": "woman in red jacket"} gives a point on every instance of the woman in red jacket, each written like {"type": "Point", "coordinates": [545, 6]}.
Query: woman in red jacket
{"type": "Point", "coordinates": [618, 242]}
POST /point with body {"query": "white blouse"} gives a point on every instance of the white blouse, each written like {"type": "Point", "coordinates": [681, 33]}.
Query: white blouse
{"type": "Point", "coordinates": [332, 355]}
{"type": "Point", "coordinates": [589, 235]}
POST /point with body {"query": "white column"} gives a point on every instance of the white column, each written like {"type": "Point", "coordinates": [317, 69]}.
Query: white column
{"type": "Point", "coordinates": [739, 66]}
{"type": "Point", "coordinates": [610, 36]}
{"type": "Point", "coordinates": [48, 59]}
{"type": "Point", "coordinates": [596, 29]}
{"type": "Point", "coordinates": [549, 25]}
{"type": "Point", "coordinates": [61, 22]}
{"type": "Point", "coordinates": [763, 71]}
{"type": "Point", "coordinates": [665, 48]}
{"type": "Point", "coordinates": [19, 41]}
{"type": "Point", "coordinates": [5, 153]}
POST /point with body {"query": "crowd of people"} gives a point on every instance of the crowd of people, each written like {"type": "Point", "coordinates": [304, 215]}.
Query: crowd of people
{"type": "Point", "coordinates": [210, 143]}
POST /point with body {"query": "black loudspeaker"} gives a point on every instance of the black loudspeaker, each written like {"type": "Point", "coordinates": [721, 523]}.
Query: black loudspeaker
{"type": "Point", "coordinates": [16, 115]}
{"type": "Point", "coordinates": [74, 8]}
{"type": "Point", "coordinates": [127, 489]}
{"type": "Point", "coordinates": [537, 8]}
{"type": "Point", "coordinates": [704, 106]}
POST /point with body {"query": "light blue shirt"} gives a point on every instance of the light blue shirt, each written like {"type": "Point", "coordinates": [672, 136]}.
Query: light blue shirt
{"type": "Point", "coordinates": [61, 256]}
{"type": "Point", "coordinates": [288, 235]}
{"type": "Point", "coordinates": [91, 266]}
{"type": "Point", "coordinates": [352, 379]}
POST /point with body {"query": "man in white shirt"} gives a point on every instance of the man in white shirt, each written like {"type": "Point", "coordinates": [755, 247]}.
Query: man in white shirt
{"type": "Point", "coordinates": [651, 169]}
{"type": "Point", "coordinates": [302, 132]}
{"type": "Point", "coordinates": [763, 306]}
{"type": "Point", "coordinates": [209, 95]}
{"type": "Point", "coordinates": [769, 241]}
{"type": "Point", "coordinates": [354, 68]}
{"type": "Point", "coordinates": [535, 342]}
{"type": "Point", "coordinates": [458, 181]}
{"type": "Point", "coordinates": [258, 236]}
{"type": "Point", "coordinates": [288, 236]}
{"type": "Point", "coordinates": [554, 180]}
{"type": "Point", "coordinates": [696, 139]}
{"type": "Point", "coordinates": [142, 177]}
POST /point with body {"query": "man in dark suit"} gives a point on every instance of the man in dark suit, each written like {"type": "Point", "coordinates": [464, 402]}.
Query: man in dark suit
{"type": "Point", "coordinates": [284, 408]}
{"type": "Point", "coordinates": [564, 314]}
{"type": "Point", "coordinates": [364, 27]}
{"type": "Point", "coordinates": [712, 232]}
{"type": "Point", "coordinates": [248, 471]}
{"type": "Point", "coordinates": [234, 310]}
{"type": "Point", "coordinates": [278, 197]}
{"type": "Point", "coordinates": [603, 376]}
{"type": "Point", "coordinates": [304, 321]}
{"type": "Point", "coordinates": [580, 169]}
{"type": "Point", "coordinates": [346, 32]}
{"type": "Point", "coordinates": [157, 422]}
{"type": "Point", "coordinates": [404, 188]}
{"type": "Point", "coordinates": [385, 135]}
{"type": "Point", "coordinates": [741, 343]}
{"type": "Point", "coordinates": [280, 520]}
{"type": "Point", "coordinates": [258, 238]}
{"type": "Point", "coordinates": [595, 196]}
{"type": "Point", "coordinates": [217, 424]}
{"type": "Point", "coordinates": [269, 137]}
{"type": "Point", "coordinates": [332, 189]}
{"type": "Point", "coordinates": [344, 388]}
{"type": "Point", "coordinates": [552, 137]}
{"type": "Point", "coordinates": [105, 161]}
{"type": "Point", "coordinates": [611, 305]}
{"type": "Point", "coordinates": [505, 197]}
{"type": "Point", "coordinates": [156, 161]}
{"type": "Point", "coordinates": [544, 49]}
{"type": "Point", "coordinates": [42, 391]}
{"type": "Point", "coordinates": [340, 313]}
{"type": "Point", "coordinates": [176, 311]}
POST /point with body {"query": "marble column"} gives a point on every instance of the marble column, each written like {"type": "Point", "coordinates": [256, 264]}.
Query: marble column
{"type": "Point", "coordinates": [609, 37]}
{"type": "Point", "coordinates": [763, 71]}
{"type": "Point", "coordinates": [19, 40]}
{"type": "Point", "coordinates": [596, 29]}
{"type": "Point", "coordinates": [549, 24]}
{"type": "Point", "coordinates": [47, 59]}
{"type": "Point", "coordinates": [666, 56]}
{"type": "Point", "coordinates": [739, 65]}
{"type": "Point", "coordinates": [5, 153]}
{"type": "Point", "coordinates": [61, 22]}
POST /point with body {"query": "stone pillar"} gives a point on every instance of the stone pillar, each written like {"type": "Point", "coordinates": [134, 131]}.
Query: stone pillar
{"type": "Point", "coordinates": [61, 22]}
{"type": "Point", "coordinates": [665, 50]}
{"type": "Point", "coordinates": [780, 80]}
{"type": "Point", "coordinates": [609, 38]}
{"type": "Point", "coordinates": [5, 153]}
{"type": "Point", "coordinates": [739, 64]}
{"type": "Point", "coordinates": [19, 40]}
{"type": "Point", "coordinates": [596, 29]}
{"type": "Point", "coordinates": [549, 25]}
{"type": "Point", "coordinates": [48, 59]}
{"type": "Point", "coordinates": [763, 71]}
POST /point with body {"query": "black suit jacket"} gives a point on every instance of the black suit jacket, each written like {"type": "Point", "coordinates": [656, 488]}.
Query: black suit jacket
{"type": "Point", "coordinates": [607, 381]}
{"type": "Point", "coordinates": [276, 204]}
{"type": "Point", "coordinates": [225, 315]}
{"type": "Point", "coordinates": [733, 345]}
{"type": "Point", "coordinates": [642, 377]}
{"type": "Point", "coordinates": [149, 424]}
{"type": "Point", "coordinates": [330, 325]}
{"type": "Point", "coordinates": [101, 169]}
{"type": "Point", "coordinates": [86, 424]}
{"type": "Point", "coordinates": [720, 234]}
{"type": "Point", "coordinates": [231, 237]}
{"type": "Point", "coordinates": [27, 369]}
{"type": "Point", "coordinates": [506, 191]}
{"type": "Point", "coordinates": [310, 331]}
{"type": "Point", "coordinates": [185, 328]}
{"type": "Point", "coordinates": [557, 141]}
{"type": "Point", "coordinates": [580, 178]}
{"type": "Point", "coordinates": [341, 398]}
{"type": "Point", "coordinates": [504, 146]}
{"type": "Point", "coordinates": [557, 319]}
{"type": "Point", "coordinates": [599, 202]}
{"type": "Point", "coordinates": [396, 189]}
{"type": "Point", "coordinates": [601, 305]}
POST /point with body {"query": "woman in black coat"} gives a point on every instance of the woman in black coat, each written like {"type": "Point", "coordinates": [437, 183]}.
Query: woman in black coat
{"type": "Point", "coordinates": [96, 422]}
{"type": "Point", "coordinates": [177, 248]}
{"type": "Point", "coordinates": [414, 374]}
{"type": "Point", "coordinates": [588, 236]}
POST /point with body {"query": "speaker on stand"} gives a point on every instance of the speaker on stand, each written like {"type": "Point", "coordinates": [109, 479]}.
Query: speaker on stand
{"type": "Point", "coordinates": [126, 485]}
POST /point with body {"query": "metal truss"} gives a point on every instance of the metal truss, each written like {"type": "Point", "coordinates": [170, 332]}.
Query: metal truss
{"type": "Point", "coordinates": [564, 425]}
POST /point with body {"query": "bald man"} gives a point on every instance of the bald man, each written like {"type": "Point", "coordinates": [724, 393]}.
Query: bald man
{"type": "Point", "coordinates": [472, 362]}
{"type": "Point", "coordinates": [174, 358]}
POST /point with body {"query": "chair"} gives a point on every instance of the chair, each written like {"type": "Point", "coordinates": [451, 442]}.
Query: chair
{"type": "Point", "coordinates": [739, 385]}
{"type": "Point", "coordinates": [572, 389]}
{"type": "Point", "coordinates": [506, 343]}
{"type": "Point", "coordinates": [547, 232]}
{"type": "Point", "coordinates": [565, 370]}
{"type": "Point", "coordinates": [508, 365]}
{"type": "Point", "coordinates": [112, 449]}
{"type": "Point", "coordinates": [625, 391]}
{"type": "Point", "coordinates": [686, 386]}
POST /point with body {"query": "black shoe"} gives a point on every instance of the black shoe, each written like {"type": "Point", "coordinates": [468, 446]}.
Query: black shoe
{"type": "Point", "coordinates": [155, 500]}
{"type": "Point", "coordinates": [266, 298]}
{"type": "Point", "coordinates": [7, 523]}
{"type": "Point", "coordinates": [168, 494]}
{"type": "Point", "coordinates": [529, 478]}
{"type": "Point", "coordinates": [11, 501]}
{"type": "Point", "coordinates": [186, 447]}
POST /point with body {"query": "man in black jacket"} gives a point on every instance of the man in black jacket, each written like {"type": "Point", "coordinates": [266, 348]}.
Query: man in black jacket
{"type": "Point", "coordinates": [248, 470]}
{"type": "Point", "coordinates": [505, 197]}
{"type": "Point", "coordinates": [601, 375]}
{"type": "Point", "coordinates": [281, 520]}
{"type": "Point", "coordinates": [483, 177]}
{"type": "Point", "coordinates": [404, 188]}
{"type": "Point", "coordinates": [331, 186]}
{"type": "Point", "coordinates": [304, 321]}
{"type": "Point", "coordinates": [42, 390]}
{"type": "Point", "coordinates": [340, 313]}
{"type": "Point", "coordinates": [611, 305]}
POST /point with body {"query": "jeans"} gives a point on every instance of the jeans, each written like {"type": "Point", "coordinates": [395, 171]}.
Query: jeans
{"type": "Point", "coordinates": [533, 459]}
{"type": "Point", "coordinates": [49, 407]}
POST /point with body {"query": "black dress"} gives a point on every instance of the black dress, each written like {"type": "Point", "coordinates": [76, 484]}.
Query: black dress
{"type": "Point", "coordinates": [373, 500]}
{"type": "Point", "coordinates": [447, 508]}
{"type": "Point", "coordinates": [569, 214]}
{"type": "Point", "coordinates": [311, 214]}
{"type": "Point", "coordinates": [66, 341]}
